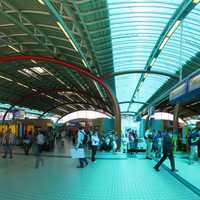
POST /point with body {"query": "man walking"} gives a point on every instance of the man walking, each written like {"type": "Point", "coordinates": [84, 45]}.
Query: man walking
{"type": "Point", "coordinates": [81, 142]}
{"type": "Point", "coordinates": [39, 142]}
{"type": "Point", "coordinates": [167, 152]}
{"type": "Point", "coordinates": [95, 143]}
{"type": "Point", "coordinates": [8, 141]}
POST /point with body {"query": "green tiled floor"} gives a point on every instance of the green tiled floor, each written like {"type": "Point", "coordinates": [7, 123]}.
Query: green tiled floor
{"type": "Point", "coordinates": [186, 171]}
{"type": "Point", "coordinates": [59, 179]}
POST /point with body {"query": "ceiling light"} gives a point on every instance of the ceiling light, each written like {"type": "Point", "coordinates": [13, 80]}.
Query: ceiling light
{"type": "Point", "coordinates": [72, 43]}
{"type": "Point", "coordinates": [22, 85]}
{"type": "Point", "coordinates": [152, 62]}
{"type": "Point", "coordinates": [6, 78]}
{"type": "Point", "coordinates": [84, 63]}
{"type": "Point", "coordinates": [67, 35]}
{"type": "Point", "coordinates": [196, 1]}
{"type": "Point", "coordinates": [34, 90]}
{"type": "Point", "coordinates": [24, 73]}
{"type": "Point", "coordinates": [81, 106]}
{"type": "Point", "coordinates": [81, 98]}
{"type": "Point", "coordinates": [33, 61]}
{"type": "Point", "coordinates": [38, 70]}
{"type": "Point", "coordinates": [71, 107]}
{"type": "Point", "coordinates": [163, 43]}
{"type": "Point", "coordinates": [61, 27]}
{"type": "Point", "coordinates": [60, 81]}
{"type": "Point", "coordinates": [31, 73]}
{"type": "Point", "coordinates": [49, 97]}
{"type": "Point", "coordinates": [13, 48]}
{"type": "Point", "coordinates": [58, 100]}
{"type": "Point", "coordinates": [174, 27]}
{"type": "Point", "coordinates": [41, 1]}
{"type": "Point", "coordinates": [99, 90]}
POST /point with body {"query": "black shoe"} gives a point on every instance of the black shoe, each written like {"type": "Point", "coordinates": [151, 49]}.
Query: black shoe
{"type": "Point", "coordinates": [174, 170]}
{"type": "Point", "coordinates": [80, 167]}
{"type": "Point", "coordinates": [156, 169]}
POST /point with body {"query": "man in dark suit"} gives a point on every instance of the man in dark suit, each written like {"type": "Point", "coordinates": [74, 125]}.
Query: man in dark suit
{"type": "Point", "coordinates": [167, 152]}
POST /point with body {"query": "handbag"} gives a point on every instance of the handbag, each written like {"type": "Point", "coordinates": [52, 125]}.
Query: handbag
{"type": "Point", "coordinates": [77, 153]}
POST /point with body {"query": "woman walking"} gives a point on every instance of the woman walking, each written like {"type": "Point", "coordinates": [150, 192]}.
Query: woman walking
{"type": "Point", "coordinates": [95, 144]}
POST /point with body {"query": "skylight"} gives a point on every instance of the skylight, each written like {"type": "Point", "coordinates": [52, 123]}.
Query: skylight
{"type": "Point", "coordinates": [135, 28]}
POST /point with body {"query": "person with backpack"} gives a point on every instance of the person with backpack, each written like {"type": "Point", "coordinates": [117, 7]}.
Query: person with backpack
{"type": "Point", "coordinates": [81, 143]}
{"type": "Point", "coordinates": [8, 141]}
{"type": "Point", "coordinates": [193, 144]}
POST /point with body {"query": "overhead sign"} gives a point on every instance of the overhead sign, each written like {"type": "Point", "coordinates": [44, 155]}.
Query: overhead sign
{"type": "Point", "coordinates": [178, 92]}
{"type": "Point", "coordinates": [19, 114]}
{"type": "Point", "coordinates": [194, 83]}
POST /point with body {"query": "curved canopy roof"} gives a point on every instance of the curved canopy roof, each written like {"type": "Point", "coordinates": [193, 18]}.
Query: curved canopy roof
{"type": "Point", "coordinates": [70, 31]}
{"type": "Point", "coordinates": [151, 35]}
{"type": "Point", "coordinates": [141, 46]}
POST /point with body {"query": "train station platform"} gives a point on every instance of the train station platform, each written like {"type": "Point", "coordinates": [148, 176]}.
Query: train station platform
{"type": "Point", "coordinates": [113, 176]}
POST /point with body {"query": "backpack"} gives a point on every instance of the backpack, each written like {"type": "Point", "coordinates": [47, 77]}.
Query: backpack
{"type": "Point", "coordinates": [85, 138]}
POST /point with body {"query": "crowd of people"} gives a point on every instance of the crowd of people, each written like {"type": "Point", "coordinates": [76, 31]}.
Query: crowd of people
{"type": "Point", "coordinates": [159, 144]}
{"type": "Point", "coordinates": [37, 140]}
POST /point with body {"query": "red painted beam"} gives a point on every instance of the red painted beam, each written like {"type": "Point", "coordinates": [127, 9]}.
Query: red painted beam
{"type": "Point", "coordinates": [77, 69]}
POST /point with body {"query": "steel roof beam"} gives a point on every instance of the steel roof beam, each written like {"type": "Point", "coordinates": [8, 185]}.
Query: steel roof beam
{"type": "Point", "coordinates": [49, 92]}
{"type": "Point", "coordinates": [29, 32]}
{"type": "Point", "coordinates": [74, 103]}
{"type": "Point", "coordinates": [74, 2]}
{"type": "Point", "coordinates": [59, 18]}
{"type": "Point", "coordinates": [20, 23]}
{"type": "Point", "coordinates": [181, 12]}
{"type": "Point", "coordinates": [81, 71]}
{"type": "Point", "coordinates": [88, 43]}
{"type": "Point", "coordinates": [44, 43]}
{"type": "Point", "coordinates": [111, 75]}
{"type": "Point", "coordinates": [139, 102]}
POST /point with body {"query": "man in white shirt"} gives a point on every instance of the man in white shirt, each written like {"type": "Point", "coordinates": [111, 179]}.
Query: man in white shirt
{"type": "Point", "coordinates": [40, 139]}
{"type": "Point", "coordinates": [81, 142]}
{"type": "Point", "coordinates": [95, 144]}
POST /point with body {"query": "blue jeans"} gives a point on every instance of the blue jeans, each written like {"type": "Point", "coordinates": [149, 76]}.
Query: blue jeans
{"type": "Point", "coordinates": [7, 148]}
{"type": "Point", "coordinates": [39, 158]}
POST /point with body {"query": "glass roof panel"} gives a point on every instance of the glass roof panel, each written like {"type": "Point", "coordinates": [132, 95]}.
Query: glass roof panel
{"type": "Point", "coordinates": [125, 85]}
{"type": "Point", "coordinates": [184, 44]}
{"type": "Point", "coordinates": [151, 84]}
{"type": "Point", "coordinates": [135, 107]}
{"type": "Point", "coordinates": [123, 107]}
{"type": "Point", "coordinates": [135, 28]}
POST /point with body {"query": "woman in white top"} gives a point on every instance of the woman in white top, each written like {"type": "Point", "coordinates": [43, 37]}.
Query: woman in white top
{"type": "Point", "coordinates": [95, 143]}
